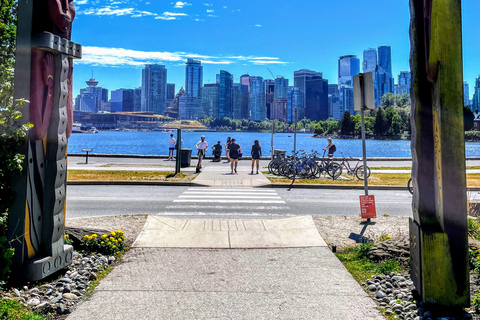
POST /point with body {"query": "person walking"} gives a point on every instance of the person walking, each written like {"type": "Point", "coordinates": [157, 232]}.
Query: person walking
{"type": "Point", "coordinates": [234, 151]}
{"type": "Point", "coordinates": [331, 149]}
{"type": "Point", "coordinates": [202, 147]}
{"type": "Point", "coordinates": [171, 146]}
{"type": "Point", "coordinates": [256, 154]}
{"type": "Point", "coordinates": [227, 151]}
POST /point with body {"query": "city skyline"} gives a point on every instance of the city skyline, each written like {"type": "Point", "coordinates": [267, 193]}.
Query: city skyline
{"type": "Point", "coordinates": [242, 37]}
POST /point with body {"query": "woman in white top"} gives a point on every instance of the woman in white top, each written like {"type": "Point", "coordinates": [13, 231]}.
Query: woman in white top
{"type": "Point", "coordinates": [171, 146]}
{"type": "Point", "coordinates": [202, 147]}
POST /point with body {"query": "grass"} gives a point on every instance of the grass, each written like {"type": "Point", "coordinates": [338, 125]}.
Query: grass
{"type": "Point", "coordinates": [121, 175]}
{"type": "Point", "coordinates": [377, 179]}
{"type": "Point", "coordinates": [93, 284]}
{"type": "Point", "coordinates": [13, 310]}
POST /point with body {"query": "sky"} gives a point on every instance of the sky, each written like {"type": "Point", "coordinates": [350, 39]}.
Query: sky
{"type": "Point", "coordinates": [244, 36]}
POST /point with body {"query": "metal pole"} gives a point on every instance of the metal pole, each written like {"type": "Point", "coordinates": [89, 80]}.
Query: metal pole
{"type": "Point", "coordinates": [179, 155]}
{"type": "Point", "coordinates": [273, 131]}
{"type": "Point", "coordinates": [295, 133]}
{"type": "Point", "coordinates": [365, 171]}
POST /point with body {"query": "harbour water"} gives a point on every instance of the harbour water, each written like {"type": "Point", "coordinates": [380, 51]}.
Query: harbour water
{"type": "Point", "coordinates": [156, 143]}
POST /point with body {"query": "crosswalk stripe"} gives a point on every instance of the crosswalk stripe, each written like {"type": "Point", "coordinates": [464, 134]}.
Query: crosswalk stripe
{"type": "Point", "coordinates": [233, 193]}
{"type": "Point", "coordinates": [229, 201]}
{"type": "Point", "coordinates": [192, 206]}
{"type": "Point", "coordinates": [252, 190]}
{"type": "Point", "coordinates": [230, 197]}
{"type": "Point", "coordinates": [233, 214]}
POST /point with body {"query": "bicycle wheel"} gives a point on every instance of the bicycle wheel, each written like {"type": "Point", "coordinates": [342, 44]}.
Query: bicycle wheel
{"type": "Point", "coordinates": [274, 166]}
{"type": "Point", "coordinates": [334, 170]}
{"type": "Point", "coordinates": [360, 173]}
{"type": "Point", "coordinates": [410, 186]}
{"type": "Point", "coordinates": [270, 166]}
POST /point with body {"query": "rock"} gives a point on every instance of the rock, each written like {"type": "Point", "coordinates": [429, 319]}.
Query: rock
{"type": "Point", "coordinates": [43, 307]}
{"type": "Point", "coordinates": [66, 280]}
{"type": "Point", "coordinates": [400, 296]}
{"type": "Point", "coordinates": [386, 300]}
{"type": "Point", "coordinates": [398, 278]}
{"type": "Point", "coordinates": [388, 285]}
{"type": "Point", "coordinates": [388, 311]}
{"type": "Point", "coordinates": [33, 290]}
{"type": "Point", "coordinates": [62, 309]}
{"type": "Point", "coordinates": [57, 299]}
{"type": "Point", "coordinates": [25, 288]}
{"type": "Point", "coordinates": [93, 276]}
{"type": "Point", "coordinates": [411, 307]}
{"type": "Point", "coordinates": [70, 296]}
{"type": "Point", "coordinates": [380, 294]}
{"type": "Point", "coordinates": [66, 289]}
{"type": "Point", "coordinates": [33, 302]}
{"type": "Point", "coordinates": [49, 292]}
{"type": "Point", "coordinates": [111, 259]}
{"type": "Point", "coordinates": [16, 292]}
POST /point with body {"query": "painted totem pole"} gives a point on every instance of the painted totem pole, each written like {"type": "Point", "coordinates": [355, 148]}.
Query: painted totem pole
{"type": "Point", "coordinates": [43, 75]}
{"type": "Point", "coordinates": [438, 233]}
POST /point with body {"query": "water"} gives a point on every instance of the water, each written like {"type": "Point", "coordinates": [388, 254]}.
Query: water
{"type": "Point", "coordinates": [156, 143]}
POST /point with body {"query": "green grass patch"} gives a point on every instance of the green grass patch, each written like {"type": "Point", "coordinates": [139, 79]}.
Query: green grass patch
{"type": "Point", "coordinates": [123, 175]}
{"type": "Point", "coordinates": [390, 168]}
{"type": "Point", "coordinates": [361, 269]}
{"type": "Point", "coordinates": [93, 284]}
{"type": "Point", "coordinates": [473, 228]}
{"type": "Point", "coordinates": [13, 310]}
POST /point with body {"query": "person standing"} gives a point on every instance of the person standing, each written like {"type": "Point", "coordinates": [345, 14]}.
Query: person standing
{"type": "Point", "coordinates": [227, 151]}
{"type": "Point", "coordinates": [202, 147]}
{"type": "Point", "coordinates": [171, 146]}
{"type": "Point", "coordinates": [331, 149]}
{"type": "Point", "coordinates": [234, 150]}
{"type": "Point", "coordinates": [256, 154]}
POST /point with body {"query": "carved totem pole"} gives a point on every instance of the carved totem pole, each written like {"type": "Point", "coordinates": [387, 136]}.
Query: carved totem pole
{"type": "Point", "coordinates": [43, 75]}
{"type": "Point", "coordinates": [438, 233]}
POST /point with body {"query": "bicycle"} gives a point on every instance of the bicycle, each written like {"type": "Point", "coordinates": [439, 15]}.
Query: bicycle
{"type": "Point", "coordinates": [303, 166]}
{"type": "Point", "coordinates": [333, 169]}
{"type": "Point", "coordinates": [358, 170]}
{"type": "Point", "coordinates": [410, 186]}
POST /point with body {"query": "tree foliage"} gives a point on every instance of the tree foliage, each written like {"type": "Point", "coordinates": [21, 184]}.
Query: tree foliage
{"type": "Point", "coordinates": [468, 118]}
{"type": "Point", "coordinates": [8, 33]}
{"type": "Point", "coordinates": [346, 124]}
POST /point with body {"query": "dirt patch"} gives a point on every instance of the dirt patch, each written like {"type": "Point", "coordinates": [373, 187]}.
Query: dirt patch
{"type": "Point", "coordinates": [347, 231]}
{"type": "Point", "coordinates": [131, 225]}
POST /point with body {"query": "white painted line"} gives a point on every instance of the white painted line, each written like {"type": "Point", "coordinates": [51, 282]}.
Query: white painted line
{"type": "Point", "coordinates": [233, 214]}
{"type": "Point", "coordinates": [228, 201]}
{"type": "Point", "coordinates": [234, 193]}
{"type": "Point", "coordinates": [192, 206]}
{"type": "Point", "coordinates": [232, 197]}
{"type": "Point", "coordinates": [253, 190]}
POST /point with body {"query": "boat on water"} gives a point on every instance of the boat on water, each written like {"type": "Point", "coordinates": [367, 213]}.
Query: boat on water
{"type": "Point", "coordinates": [93, 130]}
{"type": "Point", "coordinates": [167, 130]}
{"type": "Point", "coordinates": [78, 128]}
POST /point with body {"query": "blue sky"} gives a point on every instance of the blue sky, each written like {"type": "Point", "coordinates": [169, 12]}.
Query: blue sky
{"type": "Point", "coordinates": [244, 36]}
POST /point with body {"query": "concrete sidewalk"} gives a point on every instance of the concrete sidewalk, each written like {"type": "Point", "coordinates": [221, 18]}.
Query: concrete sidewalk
{"type": "Point", "coordinates": [219, 175]}
{"type": "Point", "coordinates": [155, 282]}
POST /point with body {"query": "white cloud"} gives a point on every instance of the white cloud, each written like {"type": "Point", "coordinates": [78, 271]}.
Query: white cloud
{"type": "Point", "coordinates": [208, 4]}
{"type": "Point", "coordinates": [80, 2]}
{"type": "Point", "coordinates": [180, 4]}
{"type": "Point", "coordinates": [212, 16]}
{"type": "Point", "coordinates": [165, 18]}
{"type": "Point", "coordinates": [258, 25]}
{"type": "Point", "coordinates": [224, 7]}
{"type": "Point", "coordinates": [120, 57]}
{"type": "Point", "coordinates": [174, 14]}
{"type": "Point", "coordinates": [114, 11]}
{"type": "Point", "coordinates": [210, 10]}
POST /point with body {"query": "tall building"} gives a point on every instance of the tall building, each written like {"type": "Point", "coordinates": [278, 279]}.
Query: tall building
{"type": "Point", "coordinates": [316, 92]}
{"type": "Point", "coordinates": [404, 81]}
{"type": "Point", "coordinates": [279, 109]}
{"type": "Point", "coordinates": [258, 106]}
{"type": "Point", "coordinates": [347, 100]}
{"type": "Point", "coordinates": [225, 83]}
{"type": "Point", "coordinates": [279, 105]}
{"type": "Point", "coordinates": [369, 60]}
{"type": "Point", "coordinates": [348, 66]}
{"type": "Point", "coordinates": [383, 82]}
{"type": "Point", "coordinates": [154, 88]}
{"type": "Point", "coordinates": [294, 101]}
{"type": "Point", "coordinates": [193, 78]}
{"type": "Point", "coordinates": [281, 87]}
{"type": "Point", "coordinates": [466, 94]}
{"type": "Point", "coordinates": [476, 95]}
{"type": "Point", "coordinates": [245, 80]}
{"type": "Point", "coordinates": [91, 98]}
{"type": "Point", "coordinates": [122, 100]}
{"type": "Point", "coordinates": [299, 81]}
{"type": "Point", "coordinates": [137, 99]}
{"type": "Point", "coordinates": [210, 99]}
{"type": "Point", "coordinates": [240, 101]}
{"type": "Point", "coordinates": [334, 103]}
{"type": "Point", "coordinates": [270, 95]}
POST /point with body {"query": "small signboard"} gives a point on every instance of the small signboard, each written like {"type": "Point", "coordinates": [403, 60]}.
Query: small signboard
{"type": "Point", "coordinates": [367, 207]}
{"type": "Point", "coordinates": [363, 91]}
{"type": "Point", "coordinates": [87, 150]}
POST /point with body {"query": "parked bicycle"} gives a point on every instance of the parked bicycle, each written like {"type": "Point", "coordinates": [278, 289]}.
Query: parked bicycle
{"type": "Point", "coordinates": [358, 170]}
{"type": "Point", "coordinates": [327, 165]}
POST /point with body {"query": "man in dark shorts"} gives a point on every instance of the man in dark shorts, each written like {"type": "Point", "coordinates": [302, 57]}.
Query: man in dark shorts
{"type": "Point", "coordinates": [234, 149]}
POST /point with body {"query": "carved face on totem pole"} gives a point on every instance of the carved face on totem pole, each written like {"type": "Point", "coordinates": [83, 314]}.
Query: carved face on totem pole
{"type": "Point", "coordinates": [57, 19]}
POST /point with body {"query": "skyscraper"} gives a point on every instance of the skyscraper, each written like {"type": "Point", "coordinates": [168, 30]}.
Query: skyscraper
{"type": "Point", "coordinates": [191, 103]}
{"type": "Point", "coordinates": [258, 104]}
{"type": "Point", "coordinates": [466, 94]}
{"type": "Point", "coordinates": [270, 95]}
{"type": "Point", "coordinates": [299, 81]}
{"type": "Point", "coordinates": [281, 88]}
{"type": "Point", "coordinates": [348, 66]}
{"type": "Point", "coordinates": [91, 98]}
{"type": "Point", "coordinates": [225, 83]}
{"type": "Point", "coordinates": [240, 101]}
{"type": "Point", "coordinates": [476, 95]}
{"type": "Point", "coordinates": [210, 99]}
{"type": "Point", "coordinates": [294, 101]}
{"type": "Point", "coordinates": [137, 99]}
{"type": "Point", "coordinates": [383, 82]}
{"type": "Point", "coordinates": [404, 80]}
{"type": "Point", "coordinates": [122, 100]}
{"type": "Point", "coordinates": [154, 88]}
{"type": "Point", "coordinates": [369, 60]}
{"type": "Point", "coordinates": [316, 92]}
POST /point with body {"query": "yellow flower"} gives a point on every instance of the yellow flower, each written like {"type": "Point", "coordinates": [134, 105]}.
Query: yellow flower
{"type": "Point", "coordinates": [114, 247]}
{"type": "Point", "coordinates": [112, 238]}
{"type": "Point", "coordinates": [120, 240]}
{"type": "Point", "coordinates": [66, 236]}
{"type": "Point", "coordinates": [109, 243]}
{"type": "Point", "coordinates": [94, 236]}
{"type": "Point", "coordinates": [86, 236]}
{"type": "Point", "coordinates": [112, 233]}
{"type": "Point", "coordinates": [389, 237]}
{"type": "Point", "coordinates": [104, 236]}
{"type": "Point", "coordinates": [102, 242]}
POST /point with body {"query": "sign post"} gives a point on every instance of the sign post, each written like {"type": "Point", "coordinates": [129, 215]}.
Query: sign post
{"type": "Point", "coordinates": [87, 150]}
{"type": "Point", "coordinates": [363, 99]}
{"type": "Point", "coordinates": [178, 147]}
{"type": "Point", "coordinates": [273, 131]}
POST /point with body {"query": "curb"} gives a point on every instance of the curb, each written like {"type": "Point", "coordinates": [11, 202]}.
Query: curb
{"type": "Point", "coordinates": [129, 183]}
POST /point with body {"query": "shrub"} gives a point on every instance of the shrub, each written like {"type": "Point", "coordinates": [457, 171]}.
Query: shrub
{"type": "Point", "coordinates": [388, 266]}
{"type": "Point", "coordinates": [363, 249]}
{"type": "Point", "coordinates": [13, 310]}
{"type": "Point", "coordinates": [476, 302]}
{"type": "Point", "coordinates": [473, 229]}
{"type": "Point", "coordinates": [112, 243]}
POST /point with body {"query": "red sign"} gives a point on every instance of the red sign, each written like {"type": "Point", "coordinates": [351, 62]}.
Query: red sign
{"type": "Point", "coordinates": [367, 207]}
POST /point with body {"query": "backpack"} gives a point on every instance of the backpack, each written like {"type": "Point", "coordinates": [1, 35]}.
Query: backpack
{"type": "Point", "coordinates": [332, 149]}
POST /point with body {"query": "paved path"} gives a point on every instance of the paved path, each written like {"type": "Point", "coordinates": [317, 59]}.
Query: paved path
{"type": "Point", "coordinates": [219, 175]}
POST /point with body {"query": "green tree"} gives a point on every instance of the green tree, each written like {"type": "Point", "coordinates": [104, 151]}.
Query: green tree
{"type": "Point", "coordinates": [332, 126]}
{"type": "Point", "coordinates": [403, 100]}
{"type": "Point", "coordinates": [468, 118]}
{"type": "Point", "coordinates": [388, 99]}
{"type": "Point", "coordinates": [8, 33]}
{"type": "Point", "coordinates": [380, 127]}
{"type": "Point", "coordinates": [346, 124]}
{"type": "Point", "coordinates": [319, 127]}
{"type": "Point", "coordinates": [396, 125]}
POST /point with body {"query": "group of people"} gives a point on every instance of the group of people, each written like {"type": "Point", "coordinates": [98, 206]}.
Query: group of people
{"type": "Point", "coordinates": [233, 151]}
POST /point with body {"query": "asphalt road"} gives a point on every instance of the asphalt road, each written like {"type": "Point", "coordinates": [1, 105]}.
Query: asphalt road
{"type": "Point", "coordinates": [173, 201]}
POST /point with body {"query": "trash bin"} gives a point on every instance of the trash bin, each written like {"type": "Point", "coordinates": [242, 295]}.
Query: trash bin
{"type": "Point", "coordinates": [185, 157]}
{"type": "Point", "coordinates": [279, 154]}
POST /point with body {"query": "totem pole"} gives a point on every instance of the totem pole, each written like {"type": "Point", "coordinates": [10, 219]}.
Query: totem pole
{"type": "Point", "coordinates": [43, 75]}
{"type": "Point", "coordinates": [438, 232]}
